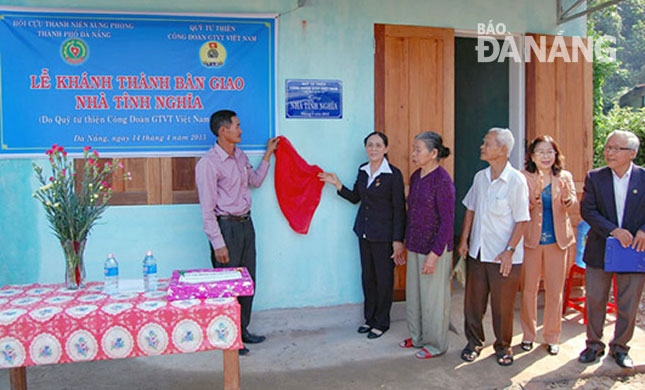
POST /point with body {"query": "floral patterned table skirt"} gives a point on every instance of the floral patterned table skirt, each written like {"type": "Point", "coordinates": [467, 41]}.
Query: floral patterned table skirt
{"type": "Point", "coordinates": [47, 324]}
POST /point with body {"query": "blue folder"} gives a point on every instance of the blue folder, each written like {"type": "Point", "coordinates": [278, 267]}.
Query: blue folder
{"type": "Point", "coordinates": [619, 259]}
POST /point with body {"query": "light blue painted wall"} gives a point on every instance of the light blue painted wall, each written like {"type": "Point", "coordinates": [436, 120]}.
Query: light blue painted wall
{"type": "Point", "coordinates": [326, 39]}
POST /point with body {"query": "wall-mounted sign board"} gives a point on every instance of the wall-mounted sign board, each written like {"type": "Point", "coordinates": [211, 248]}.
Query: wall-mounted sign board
{"type": "Point", "coordinates": [318, 99]}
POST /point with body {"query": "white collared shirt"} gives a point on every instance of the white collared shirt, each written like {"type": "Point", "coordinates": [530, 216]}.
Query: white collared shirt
{"type": "Point", "coordinates": [621, 185]}
{"type": "Point", "coordinates": [498, 206]}
{"type": "Point", "coordinates": [383, 168]}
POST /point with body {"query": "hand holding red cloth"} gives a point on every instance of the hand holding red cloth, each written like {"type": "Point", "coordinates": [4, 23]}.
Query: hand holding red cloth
{"type": "Point", "coordinates": [297, 186]}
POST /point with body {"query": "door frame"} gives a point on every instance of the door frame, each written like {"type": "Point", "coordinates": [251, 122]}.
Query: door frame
{"type": "Point", "coordinates": [444, 101]}
{"type": "Point", "coordinates": [516, 95]}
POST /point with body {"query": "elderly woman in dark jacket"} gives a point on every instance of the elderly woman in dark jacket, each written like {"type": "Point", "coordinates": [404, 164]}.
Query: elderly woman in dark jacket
{"type": "Point", "coordinates": [380, 227]}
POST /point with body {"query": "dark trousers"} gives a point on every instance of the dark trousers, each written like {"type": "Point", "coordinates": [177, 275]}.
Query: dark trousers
{"type": "Point", "coordinates": [629, 288]}
{"type": "Point", "coordinates": [239, 238]}
{"type": "Point", "coordinates": [483, 279]}
{"type": "Point", "coordinates": [377, 270]}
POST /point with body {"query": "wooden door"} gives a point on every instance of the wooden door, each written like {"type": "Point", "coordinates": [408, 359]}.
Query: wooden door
{"type": "Point", "coordinates": [559, 102]}
{"type": "Point", "coordinates": [413, 92]}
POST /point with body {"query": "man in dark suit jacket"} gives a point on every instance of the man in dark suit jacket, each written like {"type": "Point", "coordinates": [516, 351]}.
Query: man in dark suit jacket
{"type": "Point", "coordinates": [614, 205]}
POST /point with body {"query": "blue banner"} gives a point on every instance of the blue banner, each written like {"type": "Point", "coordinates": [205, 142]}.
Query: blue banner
{"type": "Point", "coordinates": [321, 99]}
{"type": "Point", "coordinates": [125, 83]}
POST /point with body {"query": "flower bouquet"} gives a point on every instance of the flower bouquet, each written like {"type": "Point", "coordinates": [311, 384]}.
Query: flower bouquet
{"type": "Point", "coordinates": [72, 211]}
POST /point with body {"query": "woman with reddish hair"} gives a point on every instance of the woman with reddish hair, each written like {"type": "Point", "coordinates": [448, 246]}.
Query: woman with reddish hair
{"type": "Point", "coordinates": [552, 194]}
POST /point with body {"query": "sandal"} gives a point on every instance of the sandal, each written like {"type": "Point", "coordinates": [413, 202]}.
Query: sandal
{"type": "Point", "coordinates": [407, 343]}
{"type": "Point", "coordinates": [504, 359]}
{"type": "Point", "coordinates": [425, 354]}
{"type": "Point", "coordinates": [468, 355]}
{"type": "Point", "coordinates": [553, 349]}
{"type": "Point", "coordinates": [527, 345]}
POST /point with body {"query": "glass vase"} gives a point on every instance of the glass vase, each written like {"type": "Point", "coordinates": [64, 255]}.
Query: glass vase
{"type": "Point", "coordinates": [74, 265]}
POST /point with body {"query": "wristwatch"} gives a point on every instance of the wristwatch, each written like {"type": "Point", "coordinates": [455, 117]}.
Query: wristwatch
{"type": "Point", "coordinates": [509, 248]}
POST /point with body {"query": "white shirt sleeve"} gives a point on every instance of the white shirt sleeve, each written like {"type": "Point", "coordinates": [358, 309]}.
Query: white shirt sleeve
{"type": "Point", "coordinates": [470, 200]}
{"type": "Point", "coordinates": [520, 199]}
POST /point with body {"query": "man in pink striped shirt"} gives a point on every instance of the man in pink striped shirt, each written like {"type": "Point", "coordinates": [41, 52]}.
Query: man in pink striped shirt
{"type": "Point", "coordinates": [223, 176]}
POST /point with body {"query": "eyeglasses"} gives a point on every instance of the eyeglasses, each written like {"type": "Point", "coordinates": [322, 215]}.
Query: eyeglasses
{"type": "Point", "coordinates": [545, 152]}
{"type": "Point", "coordinates": [614, 149]}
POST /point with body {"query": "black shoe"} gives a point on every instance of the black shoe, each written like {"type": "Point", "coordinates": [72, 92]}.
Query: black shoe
{"type": "Point", "coordinates": [250, 338]}
{"type": "Point", "coordinates": [590, 355]}
{"type": "Point", "coordinates": [243, 351]}
{"type": "Point", "coordinates": [553, 349]}
{"type": "Point", "coordinates": [375, 333]}
{"type": "Point", "coordinates": [622, 359]}
{"type": "Point", "coordinates": [364, 328]}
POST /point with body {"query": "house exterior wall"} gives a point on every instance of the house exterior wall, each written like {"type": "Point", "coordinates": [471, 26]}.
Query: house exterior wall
{"type": "Point", "coordinates": [324, 39]}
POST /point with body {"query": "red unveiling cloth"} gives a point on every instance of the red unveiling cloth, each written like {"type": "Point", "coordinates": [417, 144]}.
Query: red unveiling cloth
{"type": "Point", "coordinates": [297, 186]}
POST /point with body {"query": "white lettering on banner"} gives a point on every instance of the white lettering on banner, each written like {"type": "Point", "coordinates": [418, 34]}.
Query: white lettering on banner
{"type": "Point", "coordinates": [488, 47]}
{"type": "Point", "coordinates": [483, 44]}
{"type": "Point", "coordinates": [603, 49]}
{"type": "Point", "coordinates": [491, 28]}
{"type": "Point", "coordinates": [538, 49]}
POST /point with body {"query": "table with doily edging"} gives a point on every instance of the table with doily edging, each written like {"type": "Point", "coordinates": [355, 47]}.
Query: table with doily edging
{"type": "Point", "coordinates": [48, 324]}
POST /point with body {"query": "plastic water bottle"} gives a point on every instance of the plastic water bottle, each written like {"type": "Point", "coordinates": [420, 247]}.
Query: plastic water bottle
{"type": "Point", "coordinates": [111, 271]}
{"type": "Point", "coordinates": [149, 272]}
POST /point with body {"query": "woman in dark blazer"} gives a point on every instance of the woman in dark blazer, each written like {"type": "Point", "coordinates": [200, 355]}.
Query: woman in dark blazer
{"type": "Point", "coordinates": [380, 227]}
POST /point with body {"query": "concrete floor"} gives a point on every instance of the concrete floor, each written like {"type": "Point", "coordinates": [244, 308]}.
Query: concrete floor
{"type": "Point", "coordinates": [320, 349]}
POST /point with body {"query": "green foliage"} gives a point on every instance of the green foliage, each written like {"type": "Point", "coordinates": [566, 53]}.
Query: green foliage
{"type": "Point", "coordinates": [611, 80]}
{"type": "Point", "coordinates": [71, 214]}
{"type": "Point", "coordinates": [601, 72]}
{"type": "Point", "coordinates": [625, 22]}
{"type": "Point", "coordinates": [619, 118]}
